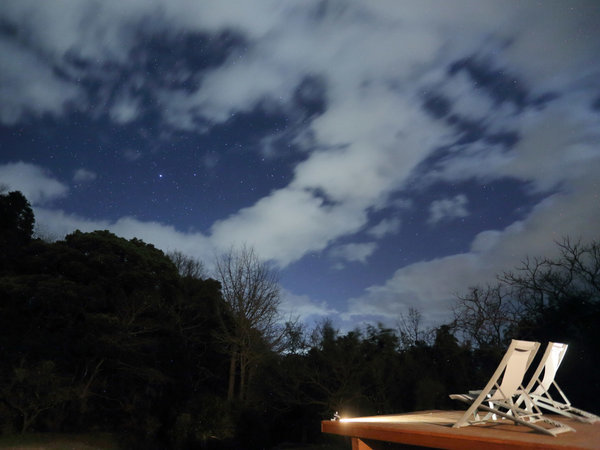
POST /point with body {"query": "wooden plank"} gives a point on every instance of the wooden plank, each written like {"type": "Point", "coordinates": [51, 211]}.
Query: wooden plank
{"type": "Point", "coordinates": [359, 444]}
{"type": "Point", "coordinates": [434, 429]}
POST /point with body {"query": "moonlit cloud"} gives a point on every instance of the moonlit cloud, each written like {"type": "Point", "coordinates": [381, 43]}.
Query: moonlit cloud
{"type": "Point", "coordinates": [386, 226]}
{"type": "Point", "coordinates": [295, 220]}
{"type": "Point", "coordinates": [287, 224]}
{"type": "Point", "coordinates": [131, 154]}
{"type": "Point", "coordinates": [304, 308]}
{"type": "Point", "coordinates": [57, 223]}
{"type": "Point", "coordinates": [354, 252]}
{"type": "Point", "coordinates": [124, 110]}
{"type": "Point", "coordinates": [448, 209]}
{"type": "Point", "coordinates": [427, 286]}
{"type": "Point", "coordinates": [431, 285]}
{"type": "Point", "coordinates": [83, 175]}
{"type": "Point", "coordinates": [29, 86]}
{"type": "Point", "coordinates": [37, 184]}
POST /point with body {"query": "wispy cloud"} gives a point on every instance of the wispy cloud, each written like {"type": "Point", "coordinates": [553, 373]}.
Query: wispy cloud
{"type": "Point", "coordinates": [354, 252]}
{"type": "Point", "coordinates": [84, 175]}
{"type": "Point", "coordinates": [304, 308]}
{"type": "Point", "coordinates": [132, 154]}
{"type": "Point", "coordinates": [448, 209]}
{"type": "Point", "coordinates": [58, 223]}
{"type": "Point", "coordinates": [385, 227]}
{"type": "Point", "coordinates": [28, 86]}
{"type": "Point", "coordinates": [124, 110]}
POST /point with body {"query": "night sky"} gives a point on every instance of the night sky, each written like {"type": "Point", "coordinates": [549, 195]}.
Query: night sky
{"type": "Point", "coordinates": [381, 154]}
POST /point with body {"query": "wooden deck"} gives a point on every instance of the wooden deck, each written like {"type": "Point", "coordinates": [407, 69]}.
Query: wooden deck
{"type": "Point", "coordinates": [433, 429]}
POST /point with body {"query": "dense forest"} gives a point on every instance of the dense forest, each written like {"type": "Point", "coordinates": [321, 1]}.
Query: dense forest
{"type": "Point", "coordinates": [104, 333]}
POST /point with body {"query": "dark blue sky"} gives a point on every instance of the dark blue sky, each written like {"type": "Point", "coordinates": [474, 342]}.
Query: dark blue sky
{"type": "Point", "coordinates": [381, 155]}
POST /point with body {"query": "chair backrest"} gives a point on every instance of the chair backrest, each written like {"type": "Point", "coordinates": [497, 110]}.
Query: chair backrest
{"type": "Point", "coordinates": [515, 363]}
{"type": "Point", "coordinates": [550, 362]}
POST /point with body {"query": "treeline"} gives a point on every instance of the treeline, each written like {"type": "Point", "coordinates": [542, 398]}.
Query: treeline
{"type": "Point", "coordinates": [98, 332]}
{"type": "Point", "coordinates": [101, 333]}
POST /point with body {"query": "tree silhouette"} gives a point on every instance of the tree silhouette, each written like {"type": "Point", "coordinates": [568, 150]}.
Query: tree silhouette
{"type": "Point", "coordinates": [16, 223]}
{"type": "Point", "coordinates": [186, 265]}
{"type": "Point", "coordinates": [251, 289]}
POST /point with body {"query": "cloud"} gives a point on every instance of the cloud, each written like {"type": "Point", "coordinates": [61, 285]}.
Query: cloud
{"type": "Point", "coordinates": [471, 101]}
{"type": "Point", "coordinates": [563, 38]}
{"type": "Point", "coordinates": [131, 154]}
{"type": "Point", "coordinates": [304, 308]}
{"type": "Point", "coordinates": [124, 110]}
{"type": "Point", "coordinates": [280, 44]}
{"type": "Point", "coordinates": [210, 160]}
{"type": "Point", "coordinates": [28, 85]}
{"type": "Point", "coordinates": [100, 31]}
{"type": "Point", "coordinates": [354, 252]}
{"type": "Point", "coordinates": [41, 188]}
{"type": "Point", "coordinates": [556, 145]}
{"type": "Point", "coordinates": [373, 141]}
{"type": "Point", "coordinates": [448, 209]}
{"type": "Point", "coordinates": [372, 146]}
{"type": "Point", "coordinates": [287, 224]}
{"type": "Point", "coordinates": [430, 286]}
{"type": "Point", "coordinates": [36, 183]}
{"type": "Point", "coordinates": [57, 223]}
{"type": "Point", "coordinates": [83, 175]}
{"type": "Point", "coordinates": [385, 227]}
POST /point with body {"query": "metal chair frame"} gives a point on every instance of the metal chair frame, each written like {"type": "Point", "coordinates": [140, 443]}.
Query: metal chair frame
{"type": "Point", "coordinates": [538, 389]}
{"type": "Point", "coordinates": [506, 385]}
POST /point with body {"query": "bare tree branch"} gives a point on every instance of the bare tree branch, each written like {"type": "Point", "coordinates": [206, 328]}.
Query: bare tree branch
{"type": "Point", "coordinates": [251, 289]}
{"type": "Point", "coordinates": [187, 266]}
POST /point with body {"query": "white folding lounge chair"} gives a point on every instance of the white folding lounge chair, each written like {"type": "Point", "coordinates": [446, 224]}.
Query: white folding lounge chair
{"type": "Point", "coordinates": [500, 395]}
{"type": "Point", "coordinates": [539, 389]}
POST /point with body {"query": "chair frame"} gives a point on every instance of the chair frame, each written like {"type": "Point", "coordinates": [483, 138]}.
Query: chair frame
{"type": "Point", "coordinates": [500, 395]}
{"type": "Point", "coordinates": [538, 389]}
